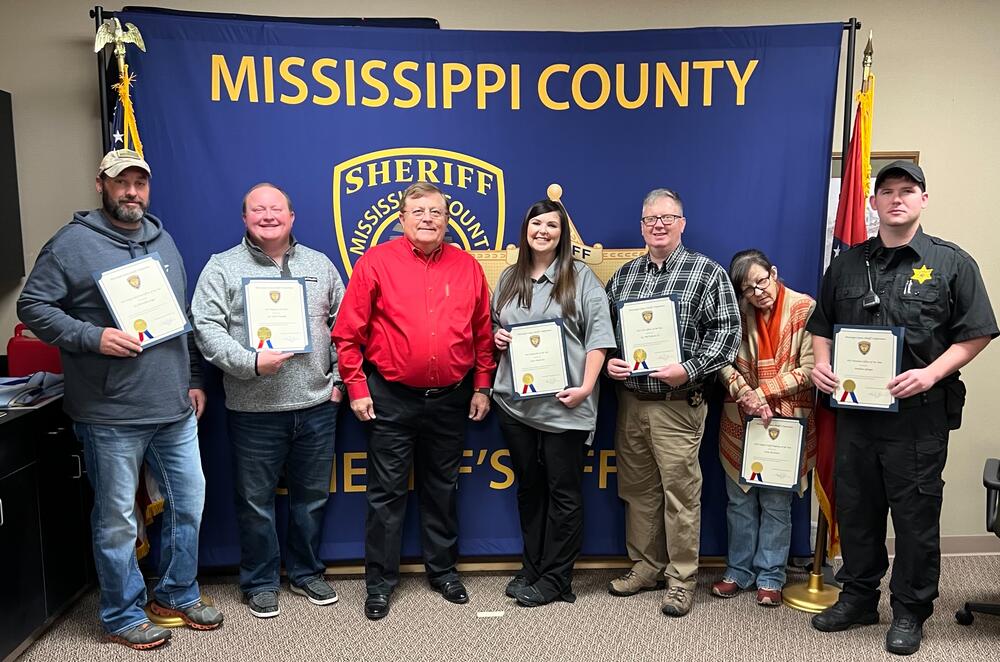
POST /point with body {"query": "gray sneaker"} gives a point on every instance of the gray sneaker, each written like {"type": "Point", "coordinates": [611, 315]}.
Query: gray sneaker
{"type": "Point", "coordinates": [142, 637]}
{"type": "Point", "coordinates": [317, 590]}
{"type": "Point", "coordinates": [264, 604]}
{"type": "Point", "coordinates": [677, 601]}
{"type": "Point", "coordinates": [199, 616]}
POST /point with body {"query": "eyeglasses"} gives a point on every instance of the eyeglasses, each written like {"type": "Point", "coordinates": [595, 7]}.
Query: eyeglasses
{"type": "Point", "coordinates": [435, 213]}
{"type": "Point", "coordinates": [761, 285]}
{"type": "Point", "coordinates": [666, 219]}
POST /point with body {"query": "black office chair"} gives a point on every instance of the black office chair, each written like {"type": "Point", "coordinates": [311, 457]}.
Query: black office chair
{"type": "Point", "coordinates": [991, 480]}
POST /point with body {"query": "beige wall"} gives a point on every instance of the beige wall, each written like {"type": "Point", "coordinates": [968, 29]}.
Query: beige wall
{"type": "Point", "coordinates": [937, 65]}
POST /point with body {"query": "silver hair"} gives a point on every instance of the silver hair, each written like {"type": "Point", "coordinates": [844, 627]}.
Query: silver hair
{"type": "Point", "coordinates": [658, 193]}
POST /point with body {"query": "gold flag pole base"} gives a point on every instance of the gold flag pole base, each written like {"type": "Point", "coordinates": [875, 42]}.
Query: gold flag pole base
{"type": "Point", "coordinates": [812, 596]}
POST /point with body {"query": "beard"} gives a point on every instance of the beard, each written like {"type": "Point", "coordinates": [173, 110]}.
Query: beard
{"type": "Point", "coordinates": [123, 212]}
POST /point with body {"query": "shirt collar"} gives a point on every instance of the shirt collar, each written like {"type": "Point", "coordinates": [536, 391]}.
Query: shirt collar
{"type": "Point", "coordinates": [670, 259]}
{"type": "Point", "coordinates": [434, 256]}
{"type": "Point", "coordinates": [919, 244]}
{"type": "Point", "coordinates": [248, 242]}
{"type": "Point", "coordinates": [550, 272]}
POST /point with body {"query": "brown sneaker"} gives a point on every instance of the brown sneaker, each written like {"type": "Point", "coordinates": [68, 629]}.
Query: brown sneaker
{"type": "Point", "coordinates": [769, 597]}
{"type": "Point", "coordinates": [631, 583]}
{"type": "Point", "coordinates": [727, 588]}
{"type": "Point", "coordinates": [677, 601]}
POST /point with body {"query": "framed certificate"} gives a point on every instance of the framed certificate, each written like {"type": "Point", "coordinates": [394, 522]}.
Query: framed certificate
{"type": "Point", "coordinates": [866, 358]}
{"type": "Point", "coordinates": [650, 333]}
{"type": "Point", "coordinates": [142, 301]}
{"type": "Point", "coordinates": [772, 454]}
{"type": "Point", "coordinates": [537, 359]}
{"type": "Point", "coordinates": [276, 318]}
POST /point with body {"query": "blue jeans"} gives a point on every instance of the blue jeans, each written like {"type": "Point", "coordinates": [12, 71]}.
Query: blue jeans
{"type": "Point", "coordinates": [301, 441]}
{"type": "Point", "coordinates": [114, 455]}
{"type": "Point", "coordinates": [760, 533]}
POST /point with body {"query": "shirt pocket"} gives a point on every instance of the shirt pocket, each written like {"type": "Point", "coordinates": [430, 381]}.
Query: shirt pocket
{"type": "Point", "coordinates": [920, 305]}
{"type": "Point", "coordinates": [456, 301]}
{"type": "Point", "coordinates": [847, 302]}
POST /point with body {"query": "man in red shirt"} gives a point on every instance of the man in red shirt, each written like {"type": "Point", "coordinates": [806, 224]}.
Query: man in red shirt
{"type": "Point", "coordinates": [414, 341]}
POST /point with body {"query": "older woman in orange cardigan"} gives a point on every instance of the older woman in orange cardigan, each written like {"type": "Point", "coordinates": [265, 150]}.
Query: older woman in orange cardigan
{"type": "Point", "coordinates": [770, 377]}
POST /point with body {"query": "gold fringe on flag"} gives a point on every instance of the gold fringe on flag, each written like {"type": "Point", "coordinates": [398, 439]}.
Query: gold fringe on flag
{"type": "Point", "coordinates": [866, 104]}
{"type": "Point", "coordinates": [129, 126]}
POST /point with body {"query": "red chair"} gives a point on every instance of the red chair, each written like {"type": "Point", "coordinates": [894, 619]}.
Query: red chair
{"type": "Point", "coordinates": [26, 355]}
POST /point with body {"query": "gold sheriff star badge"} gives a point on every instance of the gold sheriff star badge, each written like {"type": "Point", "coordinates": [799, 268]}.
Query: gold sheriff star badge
{"type": "Point", "coordinates": [921, 275]}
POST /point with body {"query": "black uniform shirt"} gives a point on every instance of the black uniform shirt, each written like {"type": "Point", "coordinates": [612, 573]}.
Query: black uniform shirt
{"type": "Point", "coordinates": [930, 286]}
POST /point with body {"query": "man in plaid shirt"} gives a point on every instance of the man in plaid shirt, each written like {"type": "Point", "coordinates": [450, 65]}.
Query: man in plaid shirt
{"type": "Point", "coordinates": [661, 415]}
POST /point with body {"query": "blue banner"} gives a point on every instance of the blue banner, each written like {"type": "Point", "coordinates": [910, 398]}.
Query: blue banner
{"type": "Point", "coordinates": [737, 120]}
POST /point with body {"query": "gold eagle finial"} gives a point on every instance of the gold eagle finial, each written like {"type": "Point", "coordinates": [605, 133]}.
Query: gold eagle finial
{"type": "Point", "coordinates": [111, 32]}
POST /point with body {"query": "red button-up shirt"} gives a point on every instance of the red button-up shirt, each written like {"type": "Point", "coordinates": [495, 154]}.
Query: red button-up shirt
{"type": "Point", "coordinates": [423, 321]}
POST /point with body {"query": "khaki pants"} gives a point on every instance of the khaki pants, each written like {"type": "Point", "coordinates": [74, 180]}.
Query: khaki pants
{"type": "Point", "coordinates": [659, 479]}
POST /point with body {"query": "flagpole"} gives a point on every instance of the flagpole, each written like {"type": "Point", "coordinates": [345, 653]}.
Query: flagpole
{"type": "Point", "coordinates": [97, 13]}
{"type": "Point", "coordinates": [814, 596]}
{"type": "Point", "coordinates": [852, 26]}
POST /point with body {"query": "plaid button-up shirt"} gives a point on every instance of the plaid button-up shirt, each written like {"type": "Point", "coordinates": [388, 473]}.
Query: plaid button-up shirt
{"type": "Point", "coordinates": [709, 311]}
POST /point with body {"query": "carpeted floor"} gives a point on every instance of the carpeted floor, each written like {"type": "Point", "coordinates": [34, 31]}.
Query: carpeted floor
{"type": "Point", "coordinates": [422, 626]}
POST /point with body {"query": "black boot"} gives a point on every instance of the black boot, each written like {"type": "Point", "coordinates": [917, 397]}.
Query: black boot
{"type": "Point", "coordinates": [904, 635]}
{"type": "Point", "coordinates": [842, 616]}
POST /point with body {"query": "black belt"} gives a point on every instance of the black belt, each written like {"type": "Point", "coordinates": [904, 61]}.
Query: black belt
{"type": "Point", "coordinates": [936, 394]}
{"type": "Point", "coordinates": [427, 392]}
{"type": "Point", "coordinates": [692, 393]}
{"type": "Point", "coordinates": [424, 392]}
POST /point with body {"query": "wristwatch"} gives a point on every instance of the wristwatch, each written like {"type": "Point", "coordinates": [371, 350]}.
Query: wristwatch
{"type": "Point", "coordinates": [485, 390]}
{"type": "Point", "coordinates": [340, 386]}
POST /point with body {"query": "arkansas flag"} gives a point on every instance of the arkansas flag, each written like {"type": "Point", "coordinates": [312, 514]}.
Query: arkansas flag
{"type": "Point", "coordinates": [848, 230]}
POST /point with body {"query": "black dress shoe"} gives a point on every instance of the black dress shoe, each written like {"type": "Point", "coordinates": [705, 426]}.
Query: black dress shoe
{"type": "Point", "coordinates": [530, 596]}
{"type": "Point", "coordinates": [904, 635]}
{"type": "Point", "coordinates": [453, 591]}
{"type": "Point", "coordinates": [518, 582]}
{"type": "Point", "coordinates": [842, 616]}
{"type": "Point", "coordinates": [376, 605]}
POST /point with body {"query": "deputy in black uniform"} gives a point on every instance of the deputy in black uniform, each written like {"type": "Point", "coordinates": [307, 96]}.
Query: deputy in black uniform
{"type": "Point", "coordinates": [892, 462]}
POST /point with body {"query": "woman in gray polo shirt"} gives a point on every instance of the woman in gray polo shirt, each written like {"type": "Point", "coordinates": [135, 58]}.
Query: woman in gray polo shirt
{"type": "Point", "coordinates": [548, 434]}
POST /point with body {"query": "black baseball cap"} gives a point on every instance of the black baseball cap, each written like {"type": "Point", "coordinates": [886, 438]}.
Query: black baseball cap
{"type": "Point", "coordinates": [905, 168]}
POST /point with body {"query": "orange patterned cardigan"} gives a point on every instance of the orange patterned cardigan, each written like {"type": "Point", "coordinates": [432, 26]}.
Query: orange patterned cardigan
{"type": "Point", "coordinates": [785, 382]}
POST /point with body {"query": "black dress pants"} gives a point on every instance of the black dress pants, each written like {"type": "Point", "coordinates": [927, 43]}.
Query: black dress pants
{"type": "Point", "coordinates": [891, 463]}
{"type": "Point", "coordinates": [426, 432]}
{"type": "Point", "coordinates": [549, 471]}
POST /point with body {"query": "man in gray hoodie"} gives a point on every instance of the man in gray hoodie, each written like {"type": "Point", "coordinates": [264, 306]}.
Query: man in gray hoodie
{"type": "Point", "coordinates": [282, 406]}
{"type": "Point", "coordinates": [128, 403]}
